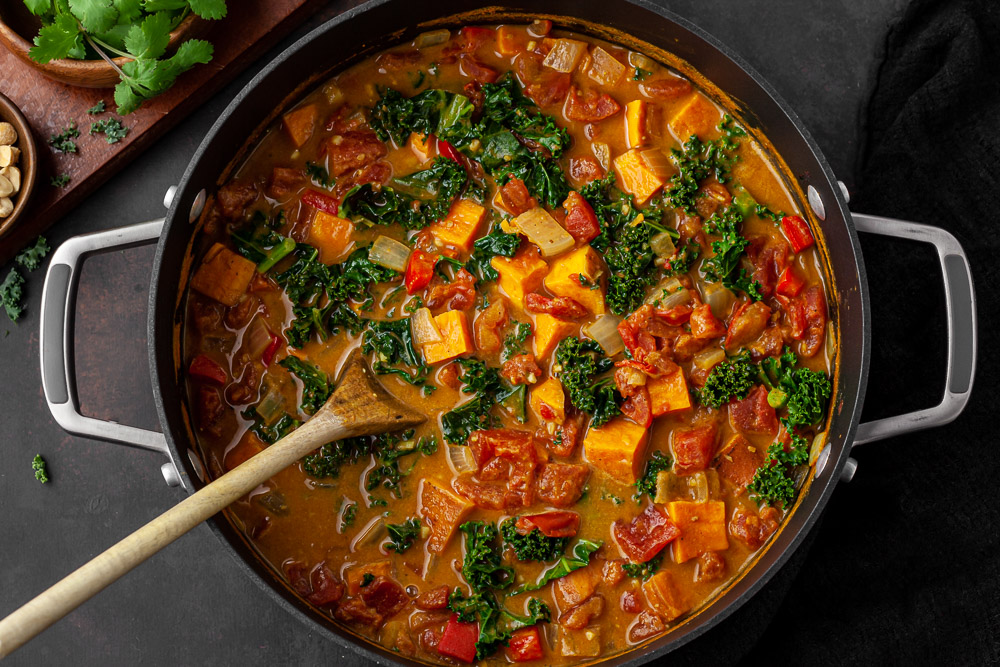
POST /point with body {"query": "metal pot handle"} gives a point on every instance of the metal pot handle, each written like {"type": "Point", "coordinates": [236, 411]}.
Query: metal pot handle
{"type": "Point", "coordinates": [56, 341]}
{"type": "Point", "coordinates": [960, 304]}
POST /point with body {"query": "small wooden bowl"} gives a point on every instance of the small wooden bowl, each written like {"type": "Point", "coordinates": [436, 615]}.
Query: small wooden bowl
{"type": "Point", "coordinates": [28, 163]}
{"type": "Point", "coordinates": [16, 23]}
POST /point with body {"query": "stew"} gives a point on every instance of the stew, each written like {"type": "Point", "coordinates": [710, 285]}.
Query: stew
{"type": "Point", "coordinates": [598, 285]}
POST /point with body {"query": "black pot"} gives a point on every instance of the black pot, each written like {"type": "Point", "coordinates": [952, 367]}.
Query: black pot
{"type": "Point", "coordinates": [382, 23]}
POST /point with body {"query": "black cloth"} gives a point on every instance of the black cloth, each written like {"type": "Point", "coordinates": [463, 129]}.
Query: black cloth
{"type": "Point", "coordinates": [906, 567]}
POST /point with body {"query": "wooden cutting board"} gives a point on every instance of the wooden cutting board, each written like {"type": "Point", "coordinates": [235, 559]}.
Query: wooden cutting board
{"type": "Point", "coordinates": [251, 28]}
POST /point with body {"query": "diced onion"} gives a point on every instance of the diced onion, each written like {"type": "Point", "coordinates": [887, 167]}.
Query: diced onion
{"type": "Point", "coordinates": [663, 245]}
{"type": "Point", "coordinates": [333, 93]}
{"type": "Point", "coordinates": [423, 328]}
{"type": "Point", "coordinates": [636, 59]}
{"type": "Point", "coordinates": [606, 69]}
{"type": "Point", "coordinates": [543, 230]}
{"type": "Point", "coordinates": [272, 406]}
{"type": "Point", "coordinates": [539, 28]}
{"type": "Point", "coordinates": [257, 338]}
{"type": "Point", "coordinates": [708, 359]}
{"type": "Point", "coordinates": [461, 459]}
{"type": "Point", "coordinates": [719, 299]}
{"type": "Point", "coordinates": [831, 343]}
{"type": "Point", "coordinates": [565, 55]}
{"type": "Point", "coordinates": [389, 253]}
{"type": "Point", "coordinates": [819, 442]}
{"type": "Point", "coordinates": [432, 38]}
{"type": "Point", "coordinates": [604, 330]}
{"type": "Point", "coordinates": [657, 162]}
{"type": "Point", "coordinates": [603, 154]}
{"type": "Point", "coordinates": [373, 533]}
{"type": "Point", "coordinates": [699, 487]}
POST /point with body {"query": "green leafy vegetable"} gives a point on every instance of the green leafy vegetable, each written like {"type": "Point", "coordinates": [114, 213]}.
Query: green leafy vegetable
{"type": "Point", "coordinates": [489, 389]}
{"type": "Point", "coordinates": [582, 552]}
{"type": "Point", "coordinates": [697, 160]}
{"type": "Point", "coordinates": [270, 433]}
{"type": "Point", "coordinates": [316, 387]}
{"type": "Point", "coordinates": [542, 175]}
{"type": "Point", "coordinates": [733, 378]}
{"type": "Point", "coordinates": [367, 579]}
{"type": "Point", "coordinates": [112, 129]}
{"type": "Point", "coordinates": [724, 265]}
{"type": "Point", "coordinates": [403, 535]}
{"type": "Point", "coordinates": [63, 142]}
{"type": "Point", "coordinates": [656, 464]}
{"type": "Point", "coordinates": [348, 517]}
{"type": "Point", "coordinates": [11, 293]}
{"type": "Point", "coordinates": [513, 344]}
{"type": "Point", "coordinates": [32, 256]}
{"type": "Point", "coordinates": [533, 546]}
{"type": "Point", "coordinates": [644, 570]}
{"type": "Point", "coordinates": [482, 567]}
{"type": "Point", "coordinates": [41, 472]}
{"type": "Point", "coordinates": [391, 342]}
{"type": "Point", "coordinates": [319, 175]}
{"type": "Point", "coordinates": [497, 243]}
{"type": "Point", "coordinates": [60, 180]}
{"type": "Point", "coordinates": [640, 74]}
{"type": "Point", "coordinates": [439, 186]}
{"type": "Point", "coordinates": [97, 108]}
{"type": "Point", "coordinates": [578, 363]}
{"type": "Point", "coordinates": [505, 106]}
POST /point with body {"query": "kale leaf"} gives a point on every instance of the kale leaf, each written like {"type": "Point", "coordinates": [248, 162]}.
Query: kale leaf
{"type": "Point", "coordinates": [644, 570]}
{"type": "Point", "coordinates": [497, 243]}
{"type": "Point", "coordinates": [41, 472]}
{"type": "Point", "coordinates": [403, 535]}
{"type": "Point", "coordinates": [32, 256]}
{"type": "Point", "coordinates": [270, 433]}
{"type": "Point", "coordinates": [391, 342]}
{"type": "Point", "coordinates": [733, 378]}
{"type": "Point", "coordinates": [316, 386]}
{"type": "Point", "coordinates": [579, 362]}
{"type": "Point", "coordinates": [489, 389]}
{"type": "Point", "coordinates": [533, 546]}
{"type": "Point", "coordinates": [656, 464]}
{"type": "Point", "coordinates": [724, 265]}
{"type": "Point", "coordinates": [11, 293]}
{"type": "Point", "coordinates": [582, 552]}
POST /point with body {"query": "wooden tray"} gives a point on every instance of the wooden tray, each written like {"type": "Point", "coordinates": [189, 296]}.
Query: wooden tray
{"type": "Point", "coordinates": [251, 28]}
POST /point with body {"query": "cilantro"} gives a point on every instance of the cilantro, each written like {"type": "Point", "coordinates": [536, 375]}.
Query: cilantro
{"type": "Point", "coordinates": [403, 535]}
{"type": "Point", "coordinates": [316, 387]}
{"type": "Point", "coordinates": [643, 570]}
{"type": "Point", "coordinates": [97, 108]}
{"type": "Point", "coordinates": [579, 361]}
{"type": "Point", "coordinates": [112, 128]}
{"type": "Point", "coordinates": [63, 142]}
{"type": "Point", "coordinates": [657, 463]}
{"type": "Point", "coordinates": [60, 180]}
{"type": "Point", "coordinates": [733, 378]}
{"type": "Point", "coordinates": [31, 257]}
{"type": "Point", "coordinates": [534, 545]}
{"type": "Point", "coordinates": [41, 472]}
{"type": "Point", "coordinates": [11, 293]}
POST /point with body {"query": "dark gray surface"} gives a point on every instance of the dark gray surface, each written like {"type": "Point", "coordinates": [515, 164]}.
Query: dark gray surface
{"type": "Point", "coordinates": [188, 605]}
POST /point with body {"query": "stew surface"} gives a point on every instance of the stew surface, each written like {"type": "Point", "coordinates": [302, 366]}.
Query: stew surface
{"type": "Point", "coordinates": [597, 285]}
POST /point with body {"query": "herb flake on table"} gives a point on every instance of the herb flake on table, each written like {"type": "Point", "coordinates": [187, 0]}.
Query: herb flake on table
{"type": "Point", "coordinates": [41, 472]}
{"type": "Point", "coordinates": [63, 142]}
{"type": "Point", "coordinates": [112, 129]}
{"type": "Point", "coordinates": [60, 181]}
{"type": "Point", "coordinates": [100, 107]}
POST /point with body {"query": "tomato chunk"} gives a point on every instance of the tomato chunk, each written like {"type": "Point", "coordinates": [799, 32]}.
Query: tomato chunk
{"type": "Point", "coordinates": [525, 645]}
{"type": "Point", "coordinates": [754, 414]}
{"type": "Point", "coordinates": [637, 407]}
{"type": "Point", "coordinates": [704, 324]}
{"type": "Point", "coordinates": [320, 201]}
{"type": "Point", "coordinates": [557, 523]}
{"type": "Point", "coordinates": [790, 283]}
{"type": "Point", "coordinates": [205, 369]}
{"type": "Point", "coordinates": [590, 105]}
{"type": "Point", "coordinates": [515, 197]}
{"type": "Point", "coordinates": [646, 535]}
{"type": "Point", "coordinates": [797, 232]}
{"type": "Point", "coordinates": [581, 221]}
{"type": "Point", "coordinates": [694, 447]}
{"type": "Point", "coordinates": [562, 307]}
{"type": "Point", "coordinates": [459, 640]}
{"type": "Point", "coordinates": [419, 271]}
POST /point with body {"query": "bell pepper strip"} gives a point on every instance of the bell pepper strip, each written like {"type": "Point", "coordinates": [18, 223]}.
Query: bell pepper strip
{"type": "Point", "coordinates": [203, 368]}
{"type": "Point", "coordinates": [556, 523]}
{"type": "Point", "coordinates": [790, 283]}
{"type": "Point", "coordinates": [525, 645]}
{"type": "Point", "coordinates": [276, 254]}
{"type": "Point", "coordinates": [320, 201]}
{"type": "Point", "coordinates": [797, 232]}
{"type": "Point", "coordinates": [447, 150]}
{"type": "Point", "coordinates": [459, 640]}
{"type": "Point", "coordinates": [272, 349]}
{"type": "Point", "coordinates": [419, 271]}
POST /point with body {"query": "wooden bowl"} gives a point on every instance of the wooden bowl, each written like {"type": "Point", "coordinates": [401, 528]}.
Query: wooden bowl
{"type": "Point", "coordinates": [28, 163]}
{"type": "Point", "coordinates": [18, 28]}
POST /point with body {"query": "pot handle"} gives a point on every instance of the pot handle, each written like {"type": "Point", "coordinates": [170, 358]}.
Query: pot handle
{"type": "Point", "coordinates": [56, 342]}
{"type": "Point", "coordinates": [960, 305]}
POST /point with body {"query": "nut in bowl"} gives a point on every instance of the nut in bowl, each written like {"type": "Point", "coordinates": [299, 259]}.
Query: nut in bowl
{"type": "Point", "coordinates": [17, 163]}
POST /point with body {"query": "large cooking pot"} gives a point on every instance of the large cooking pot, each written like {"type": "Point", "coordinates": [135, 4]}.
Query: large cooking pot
{"type": "Point", "coordinates": [381, 23]}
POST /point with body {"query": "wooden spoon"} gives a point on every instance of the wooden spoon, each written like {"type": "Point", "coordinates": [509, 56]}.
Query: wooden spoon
{"type": "Point", "coordinates": [358, 406]}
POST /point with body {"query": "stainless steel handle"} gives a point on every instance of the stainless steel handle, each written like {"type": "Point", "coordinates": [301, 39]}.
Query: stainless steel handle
{"type": "Point", "coordinates": [56, 341]}
{"type": "Point", "coordinates": [960, 304]}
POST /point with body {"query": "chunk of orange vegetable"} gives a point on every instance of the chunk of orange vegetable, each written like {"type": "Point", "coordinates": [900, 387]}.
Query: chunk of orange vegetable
{"type": "Point", "coordinates": [443, 511]}
{"type": "Point", "coordinates": [548, 401]}
{"type": "Point", "coordinates": [460, 226]}
{"type": "Point", "coordinates": [332, 235]}
{"type": "Point", "coordinates": [703, 528]}
{"type": "Point", "coordinates": [247, 447]}
{"type": "Point", "coordinates": [456, 337]}
{"type": "Point", "coordinates": [520, 274]}
{"type": "Point", "coordinates": [635, 124]}
{"type": "Point", "coordinates": [420, 145]}
{"type": "Point", "coordinates": [564, 278]}
{"type": "Point", "coordinates": [699, 117]}
{"type": "Point", "coordinates": [300, 123]}
{"type": "Point", "coordinates": [668, 393]}
{"type": "Point", "coordinates": [617, 448]}
{"type": "Point", "coordinates": [355, 574]}
{"type": "Point", "coordinates": [636, 177]}
{"type": "Point", "coordinates": [223, 275]}
{"type": "Point", "coordinates": [664, 596]}
{"type": "Point", "coordinates": [549, 331]}
{"type": "Point", "coordinates": [575, 587]}
{"type": "Point", "coordinates": [511, 40]}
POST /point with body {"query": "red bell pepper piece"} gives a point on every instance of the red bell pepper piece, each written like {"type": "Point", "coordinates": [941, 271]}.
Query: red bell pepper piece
{"type": "Point", "coordinates": [205, 369]}
{"type": "Point", "coordinates": [675, 316]}
{"type": "Point", "coordinates": [797, 232]}
{"type": "Point", "coordinates": [459, 640]}
{"type": "Point", "coordinates": [790, 283]}
{"type": "Point", "coordinates": [320, 201]}
{"type": "Point", "coordinates": [447, 150]}
{"type": "Point", "coordinates": [474, 36]}
{"type": "Point", "coordinates": [525, 645]}
{"type": "Point", "coordinates": [555, 523]}
{"type": "Point", "coordinates": [419, 271]}
{"type": "Point", "coordinates": [271, 350]}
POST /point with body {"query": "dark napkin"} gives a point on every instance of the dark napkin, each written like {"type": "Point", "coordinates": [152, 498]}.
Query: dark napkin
{"type": "Point", "coordinates": [906, 566]}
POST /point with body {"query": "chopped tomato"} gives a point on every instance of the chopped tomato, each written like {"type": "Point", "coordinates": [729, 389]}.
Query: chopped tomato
{"type": "Point", "coordinates": [472, 37]}
{"type": "Point", "coordinates": [584, 170]}
{"type": "Point", "coordinates": [590, 105]}
{"type": "Point", "coordinates": [272, 349]}
{"type": "Point", "coordinates": [515, 197]}
{"type": "Point", "coordinates": [790, 283]}
{"type": "Point", "coordinates": [521, 369]}
{"type": "Point", "coordinates": [204, 368]}
{"type": "Point", "coordinates": [807, 314]}
{"type": "Point", "coordinates": [797, 232]}
{"type": "Point", "coordinates": [419, 271]}
{"type": "Point", "coordinates": [747, 324]}
{"type": "Point", "coordinates": [636, 407]}
{"type": "Point", "coordinates": [646, 535]}
{"type": "Point", "coordinates": [556, 523]}
{"type": "Point", "coordinates": [704, 324]}
{"type": "Point", "coordinates": [581, 221]}
{"type": "Point", "coordinates": [562, 307]}
{"type": "Point", "coordinates": [694, 447]}
{"type": "Point", "coordinates": [676, 316]}
{"type": "Point", "coordinates": [459, 294]}
{"type": "Point", "coordinates": [666, 89]}
{"type": "Point", "coordinates": [459, 640]}
{"type": "Point", "coordinates": [477, 71]}
{"type": "Point", "coordinates": [525, 645]}
{"type": "Point", "coordinates": [754, 414]}
{"type": "Point", "coordinates": [321, 201]}
{"type": "Point", "coordinates": [487, 329]}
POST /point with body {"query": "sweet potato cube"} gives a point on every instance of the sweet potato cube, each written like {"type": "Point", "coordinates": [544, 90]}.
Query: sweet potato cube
{"type": "Point", "coordinates": [636, 177]}
{"type": "Point", "coordinates": [664, 596]}
{"type": "Point", "coordinates": [300, 123]}
{"type": "Point", "coordinates": [223, 275]}
{"type": "Point", "coordinates": [698, 117]}
{"type": "Point", "coordinates": [520, 274]}
{"type": "Point", "coordinates": [635, 124]}
{"type": "Point", "coordinates": [443, 511]}
{"type": "Point", "coordinates": [618, 448]}
{"type": "Point", "coordinates": [668, 393]}
{"type": "Point", "coordinates": [703, 528]}
{"type": "Point", "coordinates": [246, 448]}
{"type": "Point", "coordinates": [419, 143]}
{"type": "Point", "coordinates": [575, 274]}
{"type": "Point", "coordinates": [549, 331]}
{"type": "Point", "coordinates": [548, 401]}
{"type": "Point", "coordinates": [460, 226]}
{"type": "Point", "coordinates": [511, 40]}
{"type": "Point", "coordinates": [738, 461]}
{"type": "Point", "coordinates": [584, 643]}
{"type": "Point", "coordinates": [575, 587]}
{"type": "Point", "coordinates": [331, 235]}
{"type": "Point", "coordinates": [456, 338]}
{"type": "Point", "coordinates": [356, 574]}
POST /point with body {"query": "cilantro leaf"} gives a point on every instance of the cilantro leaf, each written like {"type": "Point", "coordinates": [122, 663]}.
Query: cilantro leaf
{"type": "Point", "coordinates": [97, 16]}
{"type": "Point", "coordinates": [149, 39]}
{"type": "Point", "coordinates": [112, 129]}
{"type": "Point", "coordinates": [57, 40]}
{"type": "Point", "coordinates": [209, 9]}
{"type": "Point", "coordinates": [39, 7]}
